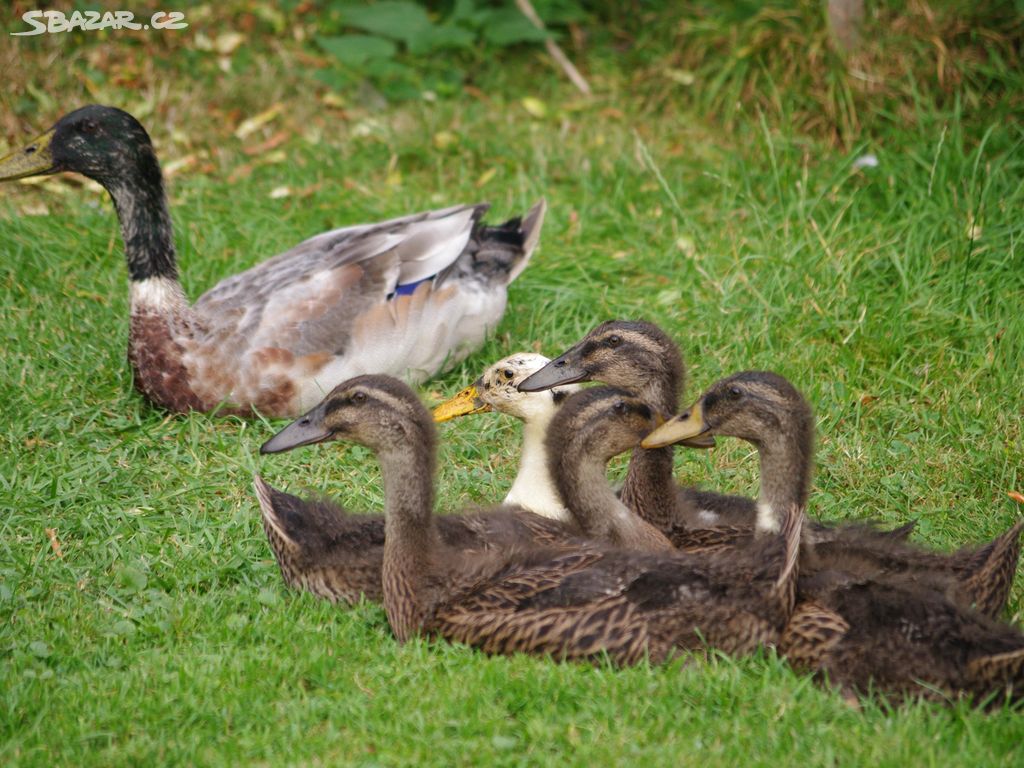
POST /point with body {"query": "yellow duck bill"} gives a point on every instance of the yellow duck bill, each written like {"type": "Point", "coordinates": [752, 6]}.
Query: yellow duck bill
{"type": "Point", "coordinates": [463, 404]}
{"type": "Point", "coordinates": [687, 428]}
{"type": "Point", "coordinates": [34, 159]}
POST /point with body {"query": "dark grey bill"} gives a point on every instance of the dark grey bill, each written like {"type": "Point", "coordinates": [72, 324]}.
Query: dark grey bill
{"type": "Point", "coordinates": [559, 371]}
{"type": "Point", "coordinates": [304, 431]}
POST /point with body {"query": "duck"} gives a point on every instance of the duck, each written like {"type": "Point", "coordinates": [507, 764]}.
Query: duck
{"type": "Point", "coordinates": [409, 296]}
{"type": "Point", "coordinates": [894, 642]}
{"type": "Point", "coordinates": [765, 409]}
{"type": "Point", "coordinates": [892, 621]}
{"type": "Point", "coordinates": [496, 389]}
{"type": "Point", "coordinates": [336, 555]}
{"type": "Point", "coordinates": [640, 357]}
{"type": "Point", "coordinates": [588, 603]}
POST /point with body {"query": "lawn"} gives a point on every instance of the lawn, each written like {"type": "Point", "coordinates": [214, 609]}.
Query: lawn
{"type": "Point", "coordinates": [711, 184]}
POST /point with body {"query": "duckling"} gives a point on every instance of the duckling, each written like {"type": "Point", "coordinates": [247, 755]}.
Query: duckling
{"type": "Point", "coordinates": [641, 358]}
{"type": "Point", "coordinates": [896, 641]}
{"type": "Point", "coordinates": [882, 616]}
{"type": "Point", "coordinates": [586, 603]}
{"type": "Point", "coordinates": [766, 410]}
{"type": "Point", "coordinates": [337, 556]}
{"type": "Point", "coordinates": [409, 296]}
{"type": "Point", "coordinates": [496, 389]}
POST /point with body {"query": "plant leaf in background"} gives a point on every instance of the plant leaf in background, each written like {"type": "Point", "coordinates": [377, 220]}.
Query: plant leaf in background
{"type": "Point", "coordinates": [507, 26]}
{"type": "Point", "coordinates": [392, 18]}
{"type": "Point", "coordinates": [389, 43]}
{"type": "Point", "coordinates": [357, 50]}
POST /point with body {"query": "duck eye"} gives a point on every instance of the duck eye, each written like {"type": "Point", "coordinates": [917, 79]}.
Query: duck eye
{"type": "Point", "coordinates": [619, 407]}
{"type": "Point", "coordinates": [614, 340]}
{"type": "Point", "coordinates": [87, 126]}
{"type": "Point", "coordinates": [735, 393]}
{"type": "Point", "coordinates": [359, 397]}
{"type": "Point", "coordinates": [507, 373]}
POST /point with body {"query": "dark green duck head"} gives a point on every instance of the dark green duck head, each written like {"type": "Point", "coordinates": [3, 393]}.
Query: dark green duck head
{"type": "Point", "coordinates": [104, 143]}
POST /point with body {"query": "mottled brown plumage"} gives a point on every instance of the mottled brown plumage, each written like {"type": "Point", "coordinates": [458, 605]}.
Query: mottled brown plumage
{"type": "Point", "coordinates": [871, 637]}
{"type": "Point", "coordinates": [336, 555]}
{"type": "Point", "coordinates": [769, 412]}
{"type": "Point", "coordinates": [879, 616]}
{"type": "Point", "coordinates": [641, 358]}
{"type": "Point", "coordinates": [408, 296]}
{"type": "Point", "coordinates": [579, 604]}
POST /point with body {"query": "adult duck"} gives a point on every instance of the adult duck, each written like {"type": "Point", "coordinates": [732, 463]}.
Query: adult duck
{"type": "Point", "coordinates": [408, 296]}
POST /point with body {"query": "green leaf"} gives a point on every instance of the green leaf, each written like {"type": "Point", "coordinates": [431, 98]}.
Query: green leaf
{"type": "Point", "coordinates": [132, 579]}
{"type": "Point", "coordinates": [394, 19]}
{"type": "Point", "coordinates": [39, 649]}
{"type": "Point", "coordinates": [507, 26]}
{"type": "Point", "coordinates": [267, 596]}
{"type": "Point", "coordinates": [123, 627]}
{"type": "Point", "coordinates": [436, 38]}
{"type": "Point", "coordinates": [356, 50]}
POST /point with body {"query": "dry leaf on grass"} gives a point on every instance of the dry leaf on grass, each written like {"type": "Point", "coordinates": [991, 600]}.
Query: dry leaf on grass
{"type": "Point", "coordinates": [54, 542]}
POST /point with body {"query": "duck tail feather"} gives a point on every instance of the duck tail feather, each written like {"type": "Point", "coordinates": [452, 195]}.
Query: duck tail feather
{"type": "Point", "coordinates": [1001, 674]}
{"type": "Point", "coordinates": [531, 226]}
{"type": "Point", "coordinates": [268, 497]}
{"type": "Point", "coordinates": [992, 572]}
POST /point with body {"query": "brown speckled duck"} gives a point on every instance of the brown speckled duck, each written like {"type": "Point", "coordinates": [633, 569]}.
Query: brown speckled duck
{"type": "Point", "coordinates": [881, 618]}
{"type": "Point", "coordinates": [408, 296]}
{"type": "Point", "coordinates": [641, 358]}
{"type": "Point", "coordinates": [337, 555]}
{"type": "Point", "coordinates": [900, 641]}
{"type": "Point", "coordinates": [768, 411]}
{"type": "Point", "coordinates": [585, 603]}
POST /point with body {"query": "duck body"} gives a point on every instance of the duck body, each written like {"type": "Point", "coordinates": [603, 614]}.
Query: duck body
{"type": "Point", "coordinates": [337, 555]}
{"type": "Point", "coordinates": [581, 603]}
{"type": "Point", "coordinates": [408, 296]}
{"type": "Point", "coordinates": [871, 616]}
{"type": "Point", "coordinates": [595, 602]}
{"type": "Point", "coordinates": [768, 411]}
{"type": "Point", "coordinates": [871, 637]}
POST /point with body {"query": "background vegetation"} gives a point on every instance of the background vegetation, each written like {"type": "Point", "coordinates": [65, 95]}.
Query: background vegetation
{"type": "Point", "coordinates": [850, 220]}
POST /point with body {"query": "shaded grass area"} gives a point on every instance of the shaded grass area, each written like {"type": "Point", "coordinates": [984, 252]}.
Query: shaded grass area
{"type": "Point", "coordinates": [163, 634]}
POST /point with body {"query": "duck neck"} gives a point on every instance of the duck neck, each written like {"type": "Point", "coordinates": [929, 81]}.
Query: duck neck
{"type": "Point", "coordinates": [599, 512]}
{"type": "Point", "coordinates": [533, 488]}
{"type": "Point", "coordinates": [141, 206]}
{"type": "Point", "coordinates": [785, 468]}
{"type": "Point", "coordinates": [410, 538]}
{"type": "Point", "coordinates": [649, 488]}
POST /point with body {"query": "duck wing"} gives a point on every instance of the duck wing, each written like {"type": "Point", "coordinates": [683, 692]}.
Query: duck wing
{"type": "Point", "coordinates": [403, 297]}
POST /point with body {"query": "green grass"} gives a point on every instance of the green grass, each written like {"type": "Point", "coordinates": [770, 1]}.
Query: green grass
{"type": "Point", "coordinates": [164, 634]}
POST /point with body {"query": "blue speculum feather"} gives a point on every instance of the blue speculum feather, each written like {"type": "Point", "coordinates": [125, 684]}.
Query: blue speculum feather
{"type": "Point", "coordinates": [408, 288]}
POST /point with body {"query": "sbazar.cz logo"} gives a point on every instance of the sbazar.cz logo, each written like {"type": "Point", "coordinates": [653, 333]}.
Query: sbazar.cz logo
{"type": "Point", "coordinates": [51, 22]}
